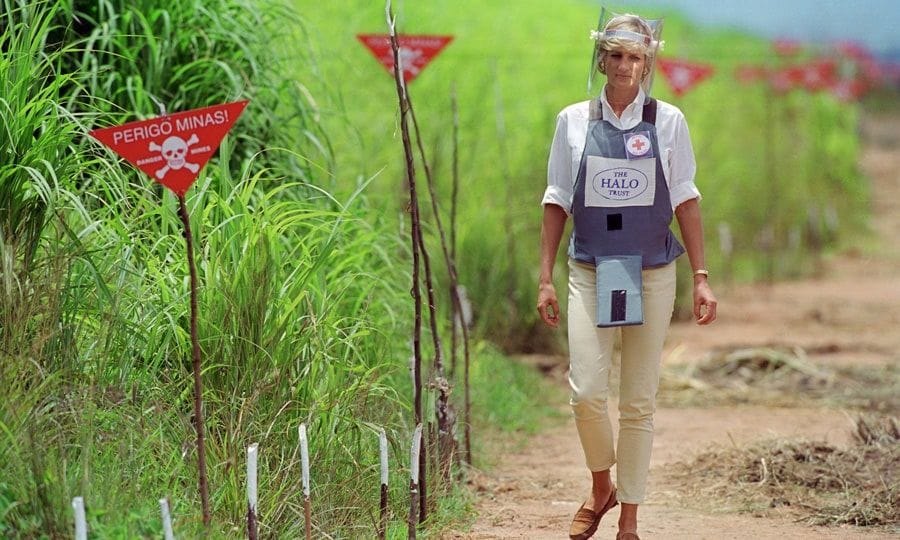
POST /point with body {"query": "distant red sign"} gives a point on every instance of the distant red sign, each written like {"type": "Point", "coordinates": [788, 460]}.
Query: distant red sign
{"type": "Point", "coordinates": [682, 75]}
{"type": "Point", "coordinates": [852, 50]}
{"type": "Point", "coordinates": [750, 73]}
{"type": "Point", "coordinates": [787, 47]}
{"type": "Point", "coordinates": [174, 147]}
{"type": "Point", "coordinates": [818, 75]}
{"type": "Point", "coordinates": [785, 79]}
{"type": "Point", "coordinates": [813, 76]}
{"type": "Point", "coordinates": [415, 51]}
{"type": "Point", "coordinates": [847, 90]}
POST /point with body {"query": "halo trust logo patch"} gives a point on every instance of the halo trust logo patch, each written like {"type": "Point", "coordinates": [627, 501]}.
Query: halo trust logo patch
{"type": "Point", "coordinates": [617, 183]}
{"type": "Point", "coordinates": [620, 184]}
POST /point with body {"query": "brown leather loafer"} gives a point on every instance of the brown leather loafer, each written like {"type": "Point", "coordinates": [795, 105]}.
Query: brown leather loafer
{"type": "Point", "coordinates": [627, 536]}
{"type": "Point", "coordinates": [586, 521]}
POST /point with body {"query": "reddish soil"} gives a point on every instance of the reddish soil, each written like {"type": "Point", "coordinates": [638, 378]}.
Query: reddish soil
{"type": "Point", "coordinates": [848, 316]}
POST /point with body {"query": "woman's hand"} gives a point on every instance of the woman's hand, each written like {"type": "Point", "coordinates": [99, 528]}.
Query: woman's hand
{"type": "Point", "coordinates": [547, 305]}
{"type": "Point", "coordinates": [688, 215]}
{"type": "Point", "coordinates": [551, 233]}
{"type": "Point", "coordinates": [704, 301]}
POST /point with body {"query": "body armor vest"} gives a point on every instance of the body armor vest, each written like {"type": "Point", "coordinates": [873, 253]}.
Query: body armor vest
{"type": "Point", "coordinates": [621, 204]}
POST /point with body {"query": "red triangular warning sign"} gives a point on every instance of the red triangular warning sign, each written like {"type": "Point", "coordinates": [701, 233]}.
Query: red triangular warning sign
{"type": "Point", "coordinates": [847, 90]}
{"type": "Point", "coordinates": [682, 75]}
{"type": "Point", "coordinates": [173, 148]}
{"type": "Point", "coordinates": [415, 51]}
{"type": "Point", "coordinates": [818, 75]}
{"type": "Point", "coordinates": [750, 73]}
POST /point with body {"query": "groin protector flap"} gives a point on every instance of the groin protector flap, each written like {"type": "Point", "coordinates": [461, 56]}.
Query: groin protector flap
{"type": "Point", "coordinates": [619, 288]}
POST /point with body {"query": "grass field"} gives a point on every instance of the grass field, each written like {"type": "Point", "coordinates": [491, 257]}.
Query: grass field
{"type": "Point", "coordinates": [305, 313]}
{"type": "Point", "coordinates": [778, 172]}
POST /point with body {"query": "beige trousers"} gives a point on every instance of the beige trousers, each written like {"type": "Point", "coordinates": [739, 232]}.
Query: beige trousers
{"type": "Point", "coordinates": [590, 358]}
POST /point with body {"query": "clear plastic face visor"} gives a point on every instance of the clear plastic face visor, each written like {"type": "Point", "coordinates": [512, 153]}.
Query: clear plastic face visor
{"type": "Point", "coordinates": [651, 43]}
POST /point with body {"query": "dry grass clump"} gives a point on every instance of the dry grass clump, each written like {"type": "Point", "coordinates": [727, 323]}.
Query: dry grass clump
{"type": "Point", "coordinates": [779, 376]}
{"type": "Point", "coordinates": [818, 482]}
{"type": "Point", "coordinates": [777, 369]}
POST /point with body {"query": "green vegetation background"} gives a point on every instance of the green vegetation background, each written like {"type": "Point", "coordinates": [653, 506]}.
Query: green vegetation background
{"type": "Point", "coordinates": [302, 251]}
{"type": "Point", "coordinates": [777, 172]}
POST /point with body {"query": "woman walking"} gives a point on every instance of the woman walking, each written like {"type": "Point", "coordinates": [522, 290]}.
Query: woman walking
{"type": "Point", "coordinates": [621, 165]}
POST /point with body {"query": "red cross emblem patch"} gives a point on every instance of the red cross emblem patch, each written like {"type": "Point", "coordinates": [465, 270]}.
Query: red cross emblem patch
{"type": "Point", "coordinates": [638, 145]}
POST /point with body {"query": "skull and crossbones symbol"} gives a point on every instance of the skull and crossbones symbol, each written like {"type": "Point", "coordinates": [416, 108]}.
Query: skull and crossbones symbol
{"type": "Point", "coordinates": [408, 59]}
{"type": "Point", "coordinates": [174, 150]}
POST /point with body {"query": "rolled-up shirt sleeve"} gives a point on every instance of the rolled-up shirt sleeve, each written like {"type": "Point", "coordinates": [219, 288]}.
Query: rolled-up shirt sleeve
{"type": "Point", "coordinates": [682, 165]}
{"type": "Point", "coordinates": [560, 182]}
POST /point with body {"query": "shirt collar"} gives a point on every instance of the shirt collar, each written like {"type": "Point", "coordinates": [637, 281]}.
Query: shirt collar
{"type": "Point", "coordinates": [632, 113]}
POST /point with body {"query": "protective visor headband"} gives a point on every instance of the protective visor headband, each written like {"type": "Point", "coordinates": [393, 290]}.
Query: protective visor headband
{"type": "Point", "coordinates": [646, 41]}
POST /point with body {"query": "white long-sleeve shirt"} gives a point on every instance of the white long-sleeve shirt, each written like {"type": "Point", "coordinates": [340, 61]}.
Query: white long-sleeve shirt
{"type": "Point", "coordinates": [672, 134]}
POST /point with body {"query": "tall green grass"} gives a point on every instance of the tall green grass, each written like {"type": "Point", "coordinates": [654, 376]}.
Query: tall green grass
{"type": "Point", "coordinates": [304, 309]}
{"type": "Point", "coordinates": [300, 320]}
{"type": "Point", "coordinates": [35, 258]}
{"type": "Point", "coordinates": [139, 57]}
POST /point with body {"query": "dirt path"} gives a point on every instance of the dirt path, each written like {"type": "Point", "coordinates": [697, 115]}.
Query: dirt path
{"type": "Point", "coordinates": [850, 315]}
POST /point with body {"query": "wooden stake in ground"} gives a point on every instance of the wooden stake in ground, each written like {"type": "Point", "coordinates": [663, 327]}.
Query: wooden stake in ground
{"type": "Point", "coordinates": [383, 452]}
{"type": "Point", "coordinates": [415, 235]}
{"type": "Point", "coordinates": [252, 527]}
{"type": "Point", "coordinates": [414, 456]}
{"type": "Point", "coordinates": [168, 534]}
{"type": "Point", "coordinates": [459, 309]}
{"type": "Point", "coordinates": [199, 424]}
{"type": "Point", "coordinates": [304, 467]}
{"type": "Point", "coordinates": [80, 520]}
{"type": "Point", "coordinates": [455, 315]}
{"type": "Point", "coordinates": [446, 416]}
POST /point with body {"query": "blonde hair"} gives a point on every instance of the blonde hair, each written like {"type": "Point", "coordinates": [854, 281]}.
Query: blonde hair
{"type": "Point", "coordinates": [610, 42]}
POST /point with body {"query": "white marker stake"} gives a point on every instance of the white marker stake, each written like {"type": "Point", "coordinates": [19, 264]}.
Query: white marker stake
{"type": "Point", "coordinates": [80, 520]}
{"type": "Point", "coordinates": [251, 491]}
{"type": "Point", "coordinates": [414, 455]}
{"type": "Point", "coordinates": [304, 459]}
{"type": "Point", "coordinates": [383, 447]}
{"type": "Point", "coordinates": [383, 505]}
{"type": "Point", "coordinates": [251, 476]}
{"type": "Point", "coordinates": [414, 482]}
{"type": "Point", "coordinates": [304, 464]}
{"type": "Point", "coordinates": [166, 519]}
